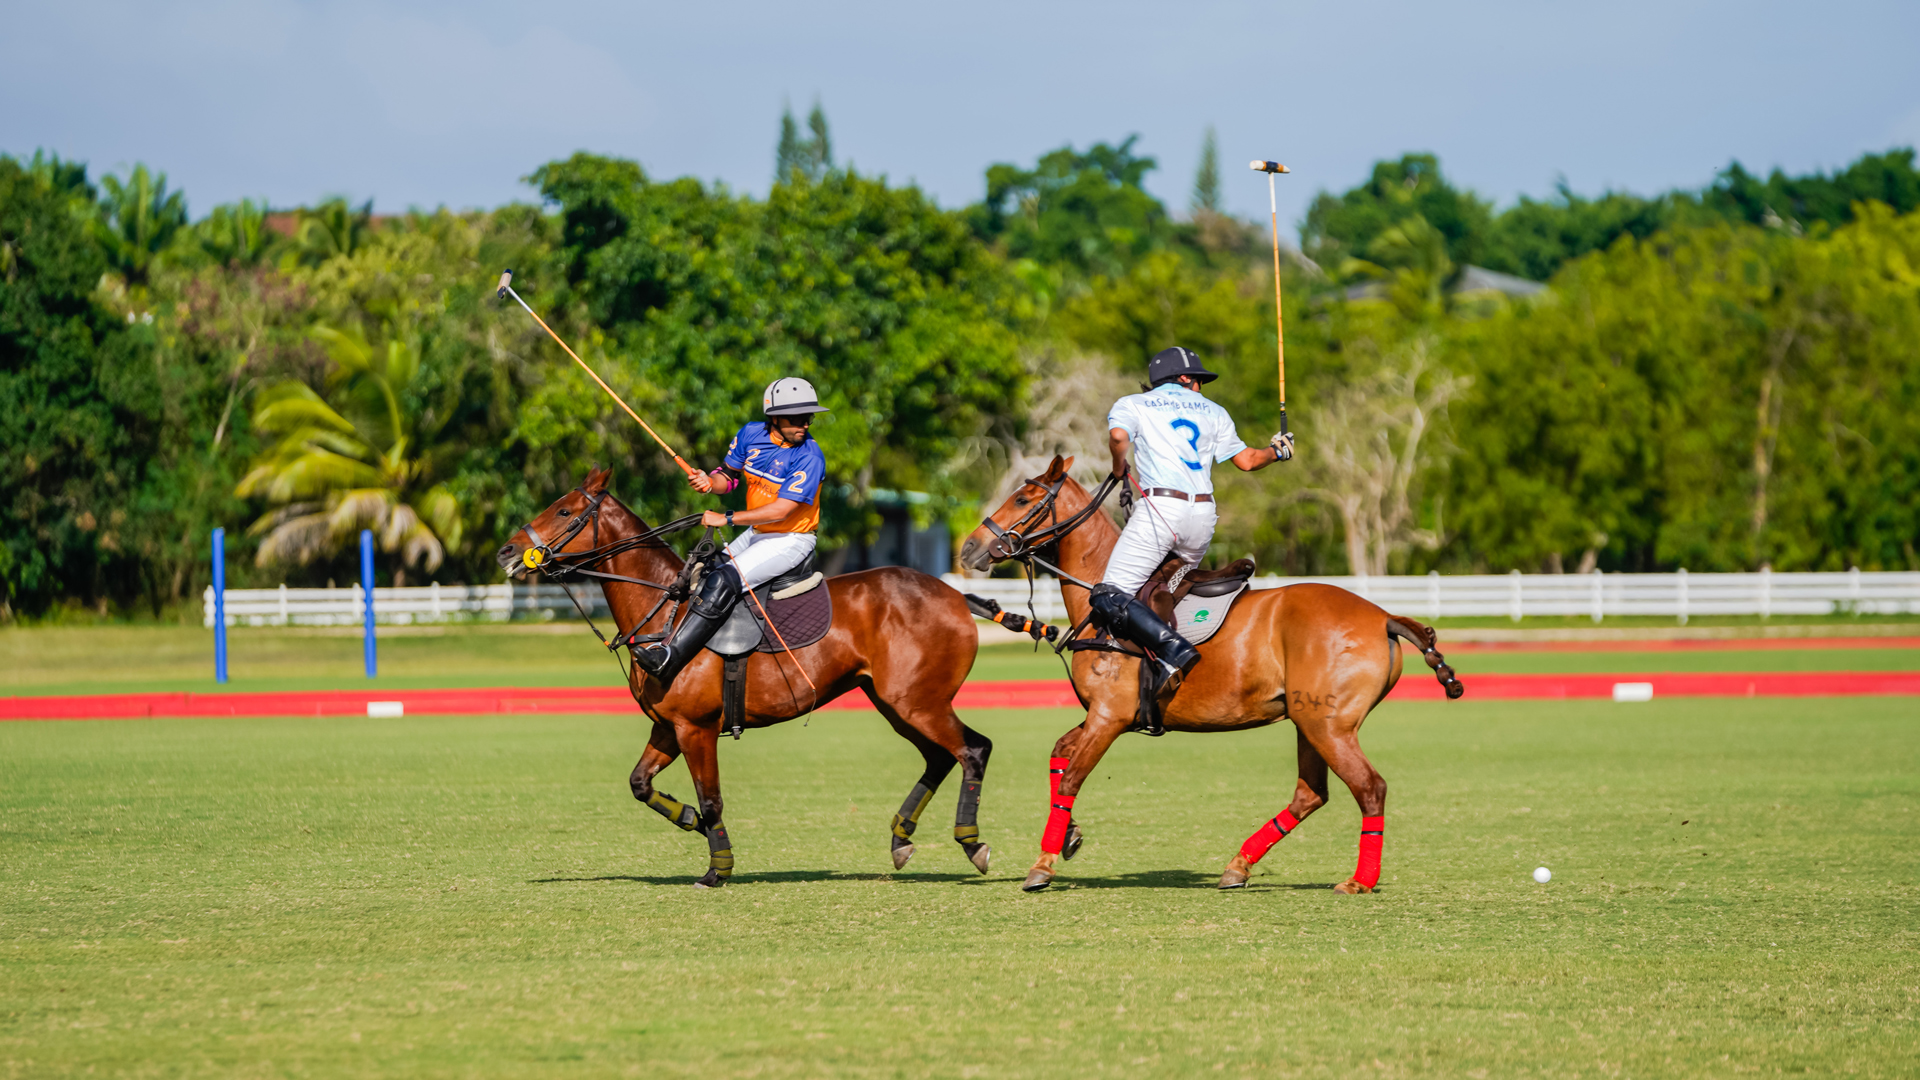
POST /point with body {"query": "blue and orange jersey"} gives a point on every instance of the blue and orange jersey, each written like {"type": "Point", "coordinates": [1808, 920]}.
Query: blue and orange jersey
{"type": "Point", "coordinates": [774, 470]}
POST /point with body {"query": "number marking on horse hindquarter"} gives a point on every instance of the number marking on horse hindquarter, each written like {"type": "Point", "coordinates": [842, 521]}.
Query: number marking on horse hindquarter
{"type": "Point", "coordinates": [1307, 701]}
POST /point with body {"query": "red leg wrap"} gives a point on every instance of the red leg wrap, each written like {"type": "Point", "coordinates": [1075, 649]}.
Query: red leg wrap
{"type": "Point", "coordinates": [1372, 832]}
{"type": "Point", "coordinates": [1056, 768]}
{"type": "Point", "coordinates": [1257, 845]}
{"type": "Point", "coordinates": [1057, 821]}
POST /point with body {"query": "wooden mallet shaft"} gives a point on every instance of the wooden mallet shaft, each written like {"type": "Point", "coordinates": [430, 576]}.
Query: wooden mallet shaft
{"type": "Point", "coordinates": [506, 290]}
{"type": "Point", "coordinates": [1271, 168]}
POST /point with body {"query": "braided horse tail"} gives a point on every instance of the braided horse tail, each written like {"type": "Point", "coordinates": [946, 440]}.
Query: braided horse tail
{"type": "Point", "coordinates": [1422, 637]}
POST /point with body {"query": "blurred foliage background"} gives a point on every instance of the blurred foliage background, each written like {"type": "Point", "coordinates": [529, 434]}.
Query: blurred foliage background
{"type": "Point", "coordinates": [1718, 379]}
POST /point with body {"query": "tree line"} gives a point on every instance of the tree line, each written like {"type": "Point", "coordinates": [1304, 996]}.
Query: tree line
{"type": "Point", "coordinates": [1716, 379]}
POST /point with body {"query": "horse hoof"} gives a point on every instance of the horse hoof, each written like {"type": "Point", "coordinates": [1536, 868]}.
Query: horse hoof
{"type": "Point", "coordinates": [1036, 880]}
{"type": "Point", "coordinates": [1351, 887]}
{"type": "Point", "coordinates": [1235, 875]}
{"type": "Point", "coordinates": [1071, 846]}
{"type": "Point", "coordinates": [709, 880]}
{"type": "Point", "coordinates": [900, 856]}
{"type": "Point", "coordinates": [980, 855]}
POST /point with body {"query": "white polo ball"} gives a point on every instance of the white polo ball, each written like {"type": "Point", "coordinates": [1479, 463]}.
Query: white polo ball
{"type": "Point", "coordinates": [1542, 875]}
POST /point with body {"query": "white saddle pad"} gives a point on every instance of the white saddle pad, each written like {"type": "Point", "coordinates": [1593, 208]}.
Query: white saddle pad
{"type": "Point", "coordinates": [1197, 617]}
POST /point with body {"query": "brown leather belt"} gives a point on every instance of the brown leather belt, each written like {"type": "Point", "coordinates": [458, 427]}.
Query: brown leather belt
{"type": "Point", "coordinates": [1175, 493]}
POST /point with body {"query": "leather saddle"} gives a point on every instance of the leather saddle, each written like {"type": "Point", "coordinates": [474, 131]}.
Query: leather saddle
{"type": "Point", "coordinates": [1225, 581]}
{"type": "Point", "coordinates": [797, 602]}
{"type": "Point", "coordinates": [1163, 592]}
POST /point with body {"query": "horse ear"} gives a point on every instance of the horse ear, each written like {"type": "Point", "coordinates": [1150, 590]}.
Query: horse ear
{"type": "Point", "coordinates": [1059, 467]}
{"type": "Point", "coordinates": [597, 478]}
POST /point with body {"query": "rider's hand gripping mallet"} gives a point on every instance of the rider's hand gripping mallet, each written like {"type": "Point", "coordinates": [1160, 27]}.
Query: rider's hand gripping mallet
{"type": "Point", "coordinates": [506, 290]}
{"type": "Point", "coordinates": [1279, 329]}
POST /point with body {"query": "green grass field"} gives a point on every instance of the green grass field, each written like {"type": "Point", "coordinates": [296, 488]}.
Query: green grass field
{"type": "Point", "coordinates": [1735, 892]}
{"type": "Point", "coordinates": [126, 659]}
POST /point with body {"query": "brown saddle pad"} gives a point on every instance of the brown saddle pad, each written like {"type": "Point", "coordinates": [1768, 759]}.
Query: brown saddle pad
{"type": "Point", "coordinates": [802, 620]}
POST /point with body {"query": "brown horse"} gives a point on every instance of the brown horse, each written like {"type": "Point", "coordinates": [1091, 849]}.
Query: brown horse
{"type": "Point", "coordinates": [902, 636]}
{"type": "Point", "coordinates": [1314, 654]}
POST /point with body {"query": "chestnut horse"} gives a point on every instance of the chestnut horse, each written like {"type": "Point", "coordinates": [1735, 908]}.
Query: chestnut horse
{"type": "Point", "coordinates": [903, 637]}
{"type": "Point", "coordinates": [1313, 654]}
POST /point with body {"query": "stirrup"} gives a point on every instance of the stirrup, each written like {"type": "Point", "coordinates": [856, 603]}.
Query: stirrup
{"type": "Point", "coordinates": [651, 649]}
{"type": "Point", "coordinates": [1151, 720]}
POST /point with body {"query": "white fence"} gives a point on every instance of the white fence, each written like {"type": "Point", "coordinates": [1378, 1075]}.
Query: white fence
{"type": "Point", "coordinates": [1513, 595]}
{"type": "Point", "coordinates": [434, 603]}
{"type": "Point", "coordinates": [1597, 595]}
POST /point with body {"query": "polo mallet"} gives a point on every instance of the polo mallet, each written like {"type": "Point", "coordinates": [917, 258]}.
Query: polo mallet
{"type": "Point", "coordinates": [1279, 329]}
{"type": "Point", "coordinates": [506, 290]}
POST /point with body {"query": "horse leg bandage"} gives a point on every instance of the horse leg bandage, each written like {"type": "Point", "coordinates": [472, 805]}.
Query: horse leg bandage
{"type": "Point", "coordinates": [1056, 768]}
{"type": "Point", "coordinates": [966, 816]}
{"type": "Point", "coordinates": [1268, 835]}
{"type": "Point", "coordinates": [908, 818]}
{"type": "Point", "coordinates": [1372, 833]}
{"type": "Point", "coordinates": [686, 817]}
{"type": "Point", "coordinates": [1058, 819]}
{"type": "Point", "coordinates": [720, 853]}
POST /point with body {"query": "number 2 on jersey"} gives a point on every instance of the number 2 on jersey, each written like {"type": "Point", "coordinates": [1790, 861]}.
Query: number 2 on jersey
{"type": "Point", "coordinates": [1192, 432]}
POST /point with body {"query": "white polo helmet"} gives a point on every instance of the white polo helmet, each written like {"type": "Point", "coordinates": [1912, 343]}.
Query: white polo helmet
{"type": "Point", "coordinates": [790, 397]}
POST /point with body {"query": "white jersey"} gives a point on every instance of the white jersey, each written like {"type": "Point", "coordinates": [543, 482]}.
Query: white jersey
{"type": "Point", "coordinates": [1177, 436]}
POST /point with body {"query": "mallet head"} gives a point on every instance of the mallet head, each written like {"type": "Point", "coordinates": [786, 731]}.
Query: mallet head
{"type": "Point", "coordinates": [1268, 167]}
{"type": "Point", "coordinates": [506, 280]}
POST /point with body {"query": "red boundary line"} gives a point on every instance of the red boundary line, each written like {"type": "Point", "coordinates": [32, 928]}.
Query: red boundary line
{"type": "Point", "coordinates": [1415, 685]}
{"type": "Point", "coordinates": [1660, 645]}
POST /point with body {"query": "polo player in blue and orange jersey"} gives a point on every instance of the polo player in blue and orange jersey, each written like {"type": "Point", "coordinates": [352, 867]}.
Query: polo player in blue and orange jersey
{"type": "Point", "coordinates": [781, 465]}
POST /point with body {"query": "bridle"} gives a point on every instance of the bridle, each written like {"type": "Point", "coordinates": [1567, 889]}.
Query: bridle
{"type": "Point", "coordinates": [1025, 548]}
{"type": "Point", "coordinates": [550, 558]}
{"type": "Point", "coordinates": [1016, 543]}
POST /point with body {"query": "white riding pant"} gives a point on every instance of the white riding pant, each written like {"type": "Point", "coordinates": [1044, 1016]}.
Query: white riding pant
{"type": "Point", "coordinates": [1159, 525]}
{"type": "Point", "coordinates": [761, 557]}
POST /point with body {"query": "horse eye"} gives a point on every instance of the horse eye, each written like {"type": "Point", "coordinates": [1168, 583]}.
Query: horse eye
{"type": "Point", "coordinates": [566, 513]}
{"type": "Point", "coordinates": [1022, 501]}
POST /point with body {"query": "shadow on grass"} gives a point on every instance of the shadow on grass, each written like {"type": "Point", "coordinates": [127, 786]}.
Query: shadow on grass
{"type": "Point", "coordinates": [1146, 879]}
{"type": "Point", "coordinates": [1178, 879]}
{"type": "Point", "coordinates": [771, 877]}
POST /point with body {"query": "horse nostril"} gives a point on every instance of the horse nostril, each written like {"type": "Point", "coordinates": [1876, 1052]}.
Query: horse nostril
{"type": "Point", "coordinates": [506, 549]}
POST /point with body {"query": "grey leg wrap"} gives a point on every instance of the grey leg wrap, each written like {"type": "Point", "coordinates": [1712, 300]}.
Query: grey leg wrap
{"type": "Point", "coordinates": [686, 817]}
{"type": "Point", "coordinates": [719, 858]}
{"type": "Point", "coordinates": [908, 819]}
{"type": "Point", "coordinates": [966, 817]}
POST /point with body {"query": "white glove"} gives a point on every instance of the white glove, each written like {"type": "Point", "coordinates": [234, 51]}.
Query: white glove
{"type": "Point", "coordinates": [1282, 445]}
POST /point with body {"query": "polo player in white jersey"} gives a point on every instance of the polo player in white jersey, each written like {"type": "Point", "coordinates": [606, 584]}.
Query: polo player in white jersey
{"type": "Point", "coordinates": [1175, 436]}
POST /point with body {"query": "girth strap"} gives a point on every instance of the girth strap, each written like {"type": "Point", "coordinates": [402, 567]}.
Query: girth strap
{"type": "Point", "coordinates": [733, 694]}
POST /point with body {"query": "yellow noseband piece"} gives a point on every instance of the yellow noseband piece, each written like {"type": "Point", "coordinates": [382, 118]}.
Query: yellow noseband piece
{"type": "Point", "coordinates": [533, 557]}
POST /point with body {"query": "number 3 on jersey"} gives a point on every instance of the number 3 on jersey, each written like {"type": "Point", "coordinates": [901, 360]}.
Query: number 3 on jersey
{"type": "Point", "coordinates": [1192, 431]}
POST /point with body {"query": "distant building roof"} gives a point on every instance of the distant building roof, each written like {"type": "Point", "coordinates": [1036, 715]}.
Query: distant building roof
{"type": "Point", "coordinates": [1476, 279]}
{"type": "Point", "coordinates": [1473, 281]}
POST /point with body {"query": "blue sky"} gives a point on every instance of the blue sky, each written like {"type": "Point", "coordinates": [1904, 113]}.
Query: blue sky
{"type": "Point", "coordinates": [429, 102]}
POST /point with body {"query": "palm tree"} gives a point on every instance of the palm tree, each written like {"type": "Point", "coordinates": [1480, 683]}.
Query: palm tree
{"type": "Point", "coordinates": [331, 229]}
{"type": "Point", "coordinates": [365, 461]}
{"type": "Point", "coordinates": [138, 219]}
{"type": "Point", "coordinates": [236, 233]}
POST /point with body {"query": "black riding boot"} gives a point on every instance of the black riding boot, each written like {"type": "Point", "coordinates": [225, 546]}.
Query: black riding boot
{"type": "Point", "coordinates": [705, 615]}
{"type": "Point", "coordinates": [1128, 618]}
